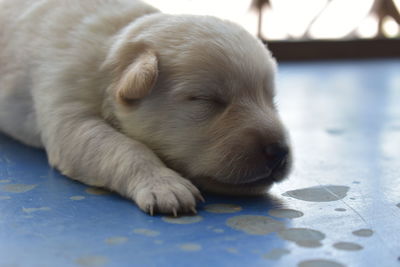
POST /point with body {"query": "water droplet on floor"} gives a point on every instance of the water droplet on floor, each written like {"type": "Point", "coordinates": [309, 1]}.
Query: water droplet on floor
{"type": "Point", "coordinates": [232, 250]}
{"type": "Point", "coordinates": [320, 263]}
{"type": "Point", "coordinates": [190, 247]}
{"type": "Point", "coordinates": [77, 197]}
{"type": "Point", "coordinates": [116, 240]}
{"type": "Point", "coordinates": [363, 232]}
{"type": "Point", "coordinates": [304, 237]}
{"type": "Point", "coordinates": [309, 244]}
{"type": "Point", "coordinates": [182, 219]}
{"type": "Point", "coordinates": [17, 188]}
{"type": "Point", "coordinates": [276, 253]}
{"type": "Point", "coordinates": [324, 193]}
{"type": "Point", "coordinates": [255, 225]}
{"type": "Point", "coordinates": [347, 246]}
{"type": "Point", "coordinates": [30, 210]}
{"type": "Point", "coordinates": [285, 213]}
{"type": "Point", "coordinates": [222, 208]}
{"type": "Point", "coordinates": [334, 131]}
{"type": "Point", "coordinates": [340, 209]}
{"type": "Point", "coordinates": [146, 232]}
{"type": "Point", "coordinates": [92, 261]}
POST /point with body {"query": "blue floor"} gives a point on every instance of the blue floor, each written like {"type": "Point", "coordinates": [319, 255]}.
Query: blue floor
{"type": "Point", "coordinates": [340, 206]}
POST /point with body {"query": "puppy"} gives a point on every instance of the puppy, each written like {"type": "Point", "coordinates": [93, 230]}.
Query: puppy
{"type": "Point", "coordinates": [149, 105]}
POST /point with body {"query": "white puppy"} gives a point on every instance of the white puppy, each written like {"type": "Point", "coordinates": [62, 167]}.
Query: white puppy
{"type": "Point", "coordinates": [115, 92]}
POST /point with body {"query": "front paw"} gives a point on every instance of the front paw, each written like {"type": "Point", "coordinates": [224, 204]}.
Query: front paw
{"type": "Point", "coordinates": [166, 192]}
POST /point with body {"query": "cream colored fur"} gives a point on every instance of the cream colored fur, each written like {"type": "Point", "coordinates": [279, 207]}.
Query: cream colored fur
{"type": "Point", "coordinates": [116, 91]}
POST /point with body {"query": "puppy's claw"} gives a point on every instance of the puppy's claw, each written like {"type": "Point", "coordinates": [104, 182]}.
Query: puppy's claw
{"type": "Point", "coordinates": [174, 212]}
{"type": "Point", "coordinates": [151, 210]}
{"type": "Point", "coordinates": [193, 209]}
{"type": "Point", "coordinates": [200, 197]}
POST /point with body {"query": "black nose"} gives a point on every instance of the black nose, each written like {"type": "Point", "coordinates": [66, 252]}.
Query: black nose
{"type": "Point", "coordinates": [276, 154]}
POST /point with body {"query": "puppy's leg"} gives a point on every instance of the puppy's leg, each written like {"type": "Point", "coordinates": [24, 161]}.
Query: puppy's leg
{"type": "Point", "coordinates": [87, 149]}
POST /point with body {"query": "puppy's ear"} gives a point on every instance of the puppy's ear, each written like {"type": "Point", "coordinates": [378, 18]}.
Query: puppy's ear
{"type": "Point", "coordinates": [138, 78]}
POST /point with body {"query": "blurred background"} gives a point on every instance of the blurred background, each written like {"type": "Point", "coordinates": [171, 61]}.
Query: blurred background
{"type": "Point", "coordinates": [308, 29]}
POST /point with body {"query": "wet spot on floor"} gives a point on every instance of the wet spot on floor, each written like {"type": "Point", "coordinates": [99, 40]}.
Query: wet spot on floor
{"type": "Point", "coordinates": [222, 208]}
{"type": "Point", "coordinates": [363, 232]}
{"type": "Point", "coordinates": [92, 261]}
{"type": "Point", "coordinates": [309, 244]}
{"type": "Point", "coordinates": [232, 250]}
{"type": "Point", "coordinates": [3, 181]}
{"type": "Point", "coordinates": [17, 188]}
{"type": "Point", "coordinates": [77, 197]}
{"type": "Point", "coordinates": [340, 209]}
{"type": "Point", "coordinates": [182, 219]}
{"type": "Point", "coordinates": [347, 246]}
{"type": "Point", "coordinates": [286, 213]}
{"type": "Point", "coordinates": [303, 237]}
{"type": "Point", "coordinates": [4, 197]}
{"type": "Point", "coordinates": [146, 232]}
{"type": "Point", "coordinates": [30, 210]}
{"type": "Point", "coordinates": [334, 131]}
{"type": "Point", "coordinates": [320, 263]}
{"type": "Point", "coordinates": [276, 253]}
{"type": "Point", "coordinates": [190, 247]}
{"type": "Point", "coordinates": [255, 225]}
{"type": "Point", "coordinates": [323, 193]}
{"type": "Point", "coordinates": [116, 240]}
{"type": "Point", "coordinates": [97, 191]}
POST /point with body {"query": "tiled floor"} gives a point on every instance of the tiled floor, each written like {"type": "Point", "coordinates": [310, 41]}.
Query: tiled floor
{"type": "Point", "coordinates": [340, 206]}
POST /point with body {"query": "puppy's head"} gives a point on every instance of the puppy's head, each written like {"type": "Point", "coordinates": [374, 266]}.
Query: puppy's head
{"type": "Point", "coordinates": [199, 92]}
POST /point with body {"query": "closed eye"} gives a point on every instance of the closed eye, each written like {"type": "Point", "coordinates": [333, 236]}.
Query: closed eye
{"type": "Point", "coordinates": [204, 107]}
{"type": "Point", "coordinates": [208, 99]}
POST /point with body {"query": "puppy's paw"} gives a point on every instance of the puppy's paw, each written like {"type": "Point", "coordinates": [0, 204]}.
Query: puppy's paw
{"type": "Point", "coordinates": [167, 193]}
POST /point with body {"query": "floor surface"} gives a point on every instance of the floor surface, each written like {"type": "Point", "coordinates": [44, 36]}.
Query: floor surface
{"type": "Point", "coordinates": [339, 207]}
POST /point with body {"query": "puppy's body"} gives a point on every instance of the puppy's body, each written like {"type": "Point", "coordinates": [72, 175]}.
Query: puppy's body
{"type": "Point", "coordinates": [41, 42]}
{"type": "Point", "coordinates": [110, 87]}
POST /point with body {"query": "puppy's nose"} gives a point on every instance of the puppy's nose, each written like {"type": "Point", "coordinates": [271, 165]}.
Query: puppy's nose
{"type": "Point", "coordinates": [276, 154]}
